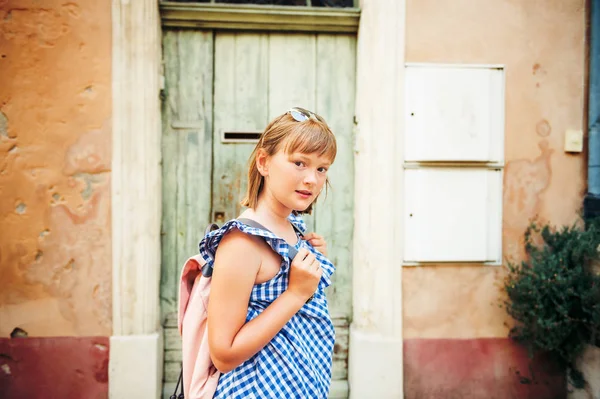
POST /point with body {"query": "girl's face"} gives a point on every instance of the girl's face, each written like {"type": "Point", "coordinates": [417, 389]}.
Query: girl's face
{"type": "Point", "coordinates": [293, 180]}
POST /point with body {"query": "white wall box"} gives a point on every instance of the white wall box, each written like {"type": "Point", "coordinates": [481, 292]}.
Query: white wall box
{"type": "Point", "coordinates": [453, 215]}
{"type": "Point", "coordinates": [454, 114]}
{"type": "Point", "coordinates": [453, 160]}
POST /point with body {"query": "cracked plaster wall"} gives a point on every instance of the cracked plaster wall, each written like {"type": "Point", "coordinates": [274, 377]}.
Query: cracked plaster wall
{"type": "Point", "coordinates": [55, 154]}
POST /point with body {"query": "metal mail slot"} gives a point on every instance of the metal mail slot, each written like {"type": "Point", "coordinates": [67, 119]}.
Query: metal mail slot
{"type": "Point", "coordinates": [240, 137]}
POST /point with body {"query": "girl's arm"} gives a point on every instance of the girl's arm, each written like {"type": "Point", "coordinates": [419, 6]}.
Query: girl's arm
{"type": "Point", "coordinates": [237, 261]}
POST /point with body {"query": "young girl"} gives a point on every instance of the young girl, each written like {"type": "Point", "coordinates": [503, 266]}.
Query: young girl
{"type": "Point", "coordinates": [269, 328]}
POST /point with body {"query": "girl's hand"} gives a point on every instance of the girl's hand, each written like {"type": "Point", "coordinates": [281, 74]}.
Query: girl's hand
{"type": "Point", "coordinates": [305, 274]}
{"type": "Point", "coordinates": [317, 241]}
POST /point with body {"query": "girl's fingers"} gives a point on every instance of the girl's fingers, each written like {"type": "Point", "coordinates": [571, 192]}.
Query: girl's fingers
{"type": "Point", "coordinates": [312, 236]}
{"type": "Point", "coordinates": [316, 241]}
{"type": "Point", "coordinates": [317, 265]}
{"type": "Point", "coordinates": [302, 254]}
{"type": "Point", "coordinates": [319, 245]}
{"type": "Point", "coordinates": [308, 261]}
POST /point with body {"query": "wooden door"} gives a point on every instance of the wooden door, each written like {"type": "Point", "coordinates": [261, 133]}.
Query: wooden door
{"type": "Point", "coordinates": [213, 110]}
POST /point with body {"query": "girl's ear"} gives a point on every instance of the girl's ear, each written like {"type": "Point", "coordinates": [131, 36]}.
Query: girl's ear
{"type": "Point", "coordinates": [262, 162]}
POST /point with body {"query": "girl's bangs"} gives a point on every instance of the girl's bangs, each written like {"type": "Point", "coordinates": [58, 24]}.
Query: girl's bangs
{"type": "Point", "coordinates": [311, 137]}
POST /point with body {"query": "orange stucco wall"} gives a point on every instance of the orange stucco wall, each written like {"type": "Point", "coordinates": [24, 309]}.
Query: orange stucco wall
{"type": "Point", "coordinates": [55, 118]}
{"type": "Point", "coordinates": [542, 46]}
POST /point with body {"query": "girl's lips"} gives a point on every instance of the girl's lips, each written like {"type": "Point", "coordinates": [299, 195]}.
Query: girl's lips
{"type": "Point", "coordinates": [304, 194]}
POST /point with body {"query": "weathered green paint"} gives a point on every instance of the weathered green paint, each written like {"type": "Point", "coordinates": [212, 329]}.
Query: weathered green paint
{"type": "Point", "coordinates": [256, 77]}
{"type": "Point", "coordinates": [336, 75]}
{"type": "Point", "coordinates": [241, 95]}
{"type": "Point", "coordinates": [292, 70]}
{"type": "Point", "coordinates": [186, 152]}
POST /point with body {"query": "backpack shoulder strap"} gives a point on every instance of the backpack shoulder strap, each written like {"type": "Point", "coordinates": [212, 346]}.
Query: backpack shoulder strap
{"type": "Point", "coordinates": [253, 223]}
{"type": "Point", "coordinates": [211, 227]}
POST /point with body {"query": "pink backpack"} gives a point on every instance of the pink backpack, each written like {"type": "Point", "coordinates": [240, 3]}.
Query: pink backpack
{"type": "Point", "coordinates": [198, 377]}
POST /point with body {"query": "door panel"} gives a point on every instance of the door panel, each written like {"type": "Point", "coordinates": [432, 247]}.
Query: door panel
{"type": "Point", "coordinates": [186, 168]}
{"type": "Point", "coordinates": [255, 78]}
{"type": "Point", "coordinates": [292, 78]}
{"type": "Point", "coordinates": [241, 105]}
{"type": "Point", "coordinates": [261, 76]}
{"type": "Point", "coordinates": [335, 79]}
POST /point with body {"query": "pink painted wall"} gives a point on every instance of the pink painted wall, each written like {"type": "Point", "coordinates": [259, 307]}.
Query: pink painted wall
{"type": "Point", "coordinates": [542, 46]}
{"type": "Point", "coordinates": [55, 146]}
{"type": "Point", "coordinates": [490, 368]}
{"type": "Point", "coordinates": [456, 343]}
{"type": "Point", "coordinates": [54, 367]}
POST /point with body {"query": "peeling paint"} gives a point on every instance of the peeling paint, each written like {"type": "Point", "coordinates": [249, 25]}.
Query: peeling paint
{"type": "Point", "coordinates": [72, 9]}
{"type": "Point", "coordinates": [89, 180]}
{"type": "Point", "coordinates": [69, 266]}
{"type": "Point", "coordinates": [73, 261]}
{"type": "Point", "coordinates": [90, 154]}
{"type": "Point", "coordinates": [42, 25]}
{"type": "Point", "coordinates": [543, 128]}
{"type": "Point", "coordinates": [101, 347]}
{"type": "Point", "coordinates": [18, 332]}
{"type": "Point", "coordinates": [55, 236]}
{"type": "Point", "coordinates": [3, 125]}
{"type": "Point", "coordinates": [524, 183]}
{"type": "Point", "coordinates": [21, 207]}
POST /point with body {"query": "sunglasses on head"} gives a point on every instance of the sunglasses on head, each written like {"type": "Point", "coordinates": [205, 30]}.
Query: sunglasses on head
{"type": "Point", "coordinates": [301, 114]}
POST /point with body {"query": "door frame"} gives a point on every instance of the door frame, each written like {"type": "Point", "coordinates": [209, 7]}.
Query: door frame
{"type": "Point", "coordinates": [259, 17]}
{"type": "Point", "coordinates": [136, 344]}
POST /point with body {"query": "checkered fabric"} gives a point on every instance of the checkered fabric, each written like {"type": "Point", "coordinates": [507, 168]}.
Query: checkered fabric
{"type": "Point", "coordinates": [297, 361]}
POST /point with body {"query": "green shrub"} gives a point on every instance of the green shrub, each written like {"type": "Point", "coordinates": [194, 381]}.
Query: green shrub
{"type": "Point", "coordinates": [554, 295]}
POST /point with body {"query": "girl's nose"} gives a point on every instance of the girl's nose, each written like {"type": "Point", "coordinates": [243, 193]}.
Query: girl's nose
{"type": "Point", "coordinates": [310, 178]}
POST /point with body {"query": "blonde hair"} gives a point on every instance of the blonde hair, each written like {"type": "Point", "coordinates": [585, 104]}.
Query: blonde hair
{"type": "Point", "coordinates": [285, 133]}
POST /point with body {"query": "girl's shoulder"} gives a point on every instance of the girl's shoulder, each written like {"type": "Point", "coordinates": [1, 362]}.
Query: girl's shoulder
{"type": "Point", "coordinates": [233, 236]}
{"type": "Point", "coordinates": [237, 249]}
{"type": "Point", "coordinates": [239, 229]}
{"type": "Point", "coordinates": [238, 240]}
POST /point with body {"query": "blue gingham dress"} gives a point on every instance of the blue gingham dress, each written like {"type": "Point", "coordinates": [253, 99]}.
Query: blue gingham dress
{"type": "Point", "coordinates": [296, 363]}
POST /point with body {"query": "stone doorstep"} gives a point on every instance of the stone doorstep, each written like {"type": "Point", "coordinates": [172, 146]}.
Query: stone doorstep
{"type": "Point", "coordinates": [339, 389]}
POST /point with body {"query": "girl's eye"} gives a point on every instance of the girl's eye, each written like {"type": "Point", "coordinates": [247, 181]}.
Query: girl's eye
{"type": "Point", "coordinates": [322, 170]}
{"type": "Point", "coordinates": [299, 163]}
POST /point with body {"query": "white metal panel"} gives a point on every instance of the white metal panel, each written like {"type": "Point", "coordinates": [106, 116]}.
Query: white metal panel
{"type": "Point", "coordinates": [453, 215]}
{"type": "Point", "coordinates": [454, 113]}
{"type": "Point", "coordinates": [494, 217]}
